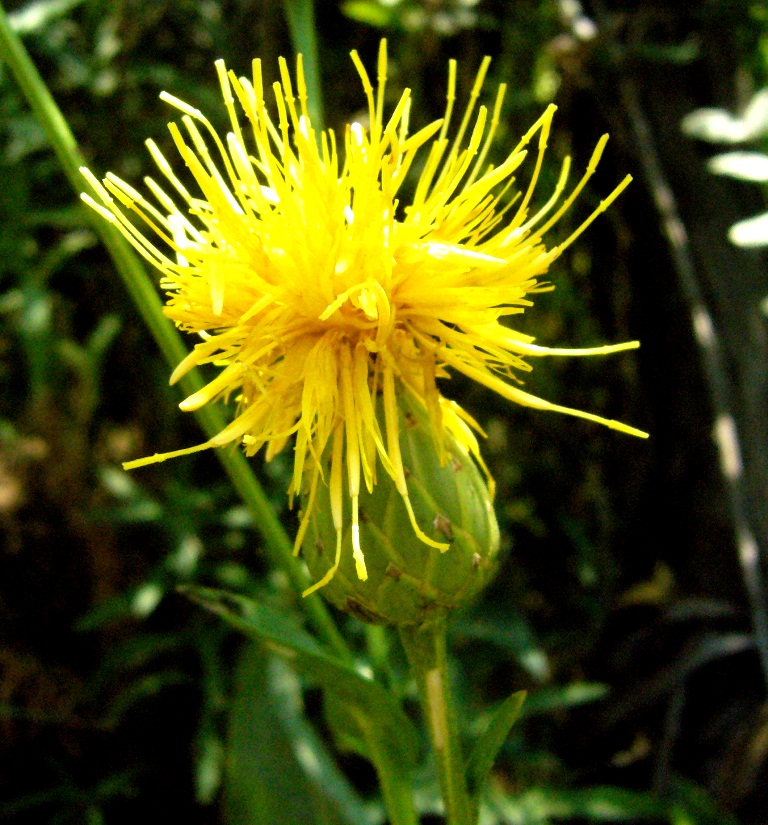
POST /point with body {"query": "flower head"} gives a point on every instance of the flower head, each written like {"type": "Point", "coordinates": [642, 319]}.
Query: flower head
{"type": "Point", "coordinates": [322, 298]}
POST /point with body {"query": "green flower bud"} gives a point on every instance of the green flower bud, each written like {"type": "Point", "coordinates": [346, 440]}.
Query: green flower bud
{"type": "Point", "coordinates": [408, 581]}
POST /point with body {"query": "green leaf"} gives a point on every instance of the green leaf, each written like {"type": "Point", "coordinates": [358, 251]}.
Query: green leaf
{"type": "Point", "coordinates": [35, 16]}
{"type": "Point", "coordinates": [370, 13]}
{"type": "Point", "coordinates": [488, 744]}
{"type": "Point", "coordinates": [562, 697]}
{"type": "Point", "coordinates": [312, 751]}
{"type": "Point", "coordinates": [603, 804]}
{"type": "Point", "coordinates": [684, 804]}
{"type": "Point", "coordinates": [139, 690]}
{"type": "Point", "coordinates": [208, 766]}
{"type": "Point", "coordinates": [750, 166]}
{"type": "Point", "coordinates": [692, 805]}
{"type": "Point", "coordinates": [300, 16]}
{"type": "Point", "coordinates": [598, 804]}
{"type": "Point", "coordinates": [511, 631]}
{"type": "Point", "coordinates": [750, 232]}
{"type": "Point", "coordinates": [720, 126]}
{"type": "Point", "coordinates": [264, 780]}
{"type": "Point", "coordinates": [347, 734]}
{"type": "Point", "coordinates": [371, 704]}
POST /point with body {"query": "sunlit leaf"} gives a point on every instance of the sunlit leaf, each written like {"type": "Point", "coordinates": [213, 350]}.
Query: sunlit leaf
{"type": "Point", "coordinates": [368, 12]}
{"type": "Point", "coordinates": [312, 752]}
{"type": "Point", "coordinates": [750, 232]}
{"type": "Point", "coordinates": [752, 166]}
{"type": "Point", "coordinates": [38, 14]}
{"type": "Point", "coordinates": [209, 767]}
{"type": "Point", "coordinates": [756, 114]}
{"type": "Point", "coordinates": [714, 126]}
{"type": "Point", "coordinates": [514, 633]}
{"type": "Point", "coordinates": [720, 126]}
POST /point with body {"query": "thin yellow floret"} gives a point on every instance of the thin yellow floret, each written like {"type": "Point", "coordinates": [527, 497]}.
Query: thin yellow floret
{"type": "Point", "coordinates": [321, 297]}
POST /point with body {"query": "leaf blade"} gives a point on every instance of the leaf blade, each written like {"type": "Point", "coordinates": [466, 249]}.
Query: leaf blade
{"type": "Point", "coordinates": [286, 638]}
{"type": "Point", "coordinates": [488, 744]}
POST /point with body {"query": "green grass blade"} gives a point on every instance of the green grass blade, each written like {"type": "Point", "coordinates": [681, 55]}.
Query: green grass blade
{"type": "Point", "coordinates": [300, 15]}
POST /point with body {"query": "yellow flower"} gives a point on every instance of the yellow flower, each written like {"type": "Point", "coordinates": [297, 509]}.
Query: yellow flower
{"type": "Point", "coordinates": [321, 297]}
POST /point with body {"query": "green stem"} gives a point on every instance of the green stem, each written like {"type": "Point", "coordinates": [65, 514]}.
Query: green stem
{"type": "Point", "coordinates": [425, 648]}
{"type": "Point", "coordinates": [147, 301]}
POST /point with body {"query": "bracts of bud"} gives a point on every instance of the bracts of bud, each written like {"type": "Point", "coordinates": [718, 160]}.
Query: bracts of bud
{"type": "Point", "coordinates": [409, 582]}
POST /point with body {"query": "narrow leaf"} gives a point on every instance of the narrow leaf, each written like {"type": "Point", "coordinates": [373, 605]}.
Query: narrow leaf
{"type": "Point", "coordinates": [750, 232]}
{"type": "Point", "coordinates": [264, 780]}
{"type": "Point", "coordinates": [751, 166]}
{"type": "Point", "coordinates": [300, 15]}
{"type": "Point", "coordinates": [488, 744]}
{"type": "Point", "coordinates": [370, 13]}
{"type": "Point", "coordinates": [756, 114]}
{"type": "Point", "coordinates": [551, 699]}
{"type": "Point", "coordinates": [283, 636]}
{"type": "Point", "coordinates": [715, 126]}
{"type": "Point", "coordinates": [311, 750]}
{"type": "Point", "coordinates": [720, 126]}
{"type": "Point", "coordinates": [347, 735]}
{"type": "Point", "coordinates": [597, 804]}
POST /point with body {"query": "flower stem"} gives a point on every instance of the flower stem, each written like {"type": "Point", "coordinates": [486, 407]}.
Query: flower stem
{"type": "Point", "coordinates": [425, 647]}
{"type": "Point", "coordinates": [145, 297]}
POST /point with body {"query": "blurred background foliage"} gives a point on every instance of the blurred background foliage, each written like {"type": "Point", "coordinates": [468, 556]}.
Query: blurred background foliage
{"type": "Point", "coordinates": [626, 604]}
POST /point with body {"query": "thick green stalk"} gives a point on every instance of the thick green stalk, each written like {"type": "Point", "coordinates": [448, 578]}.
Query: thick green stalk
{"type": "Point", "coordinates": [425, 647]}
{"type": "Point", "coordinates": [147, 301]}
